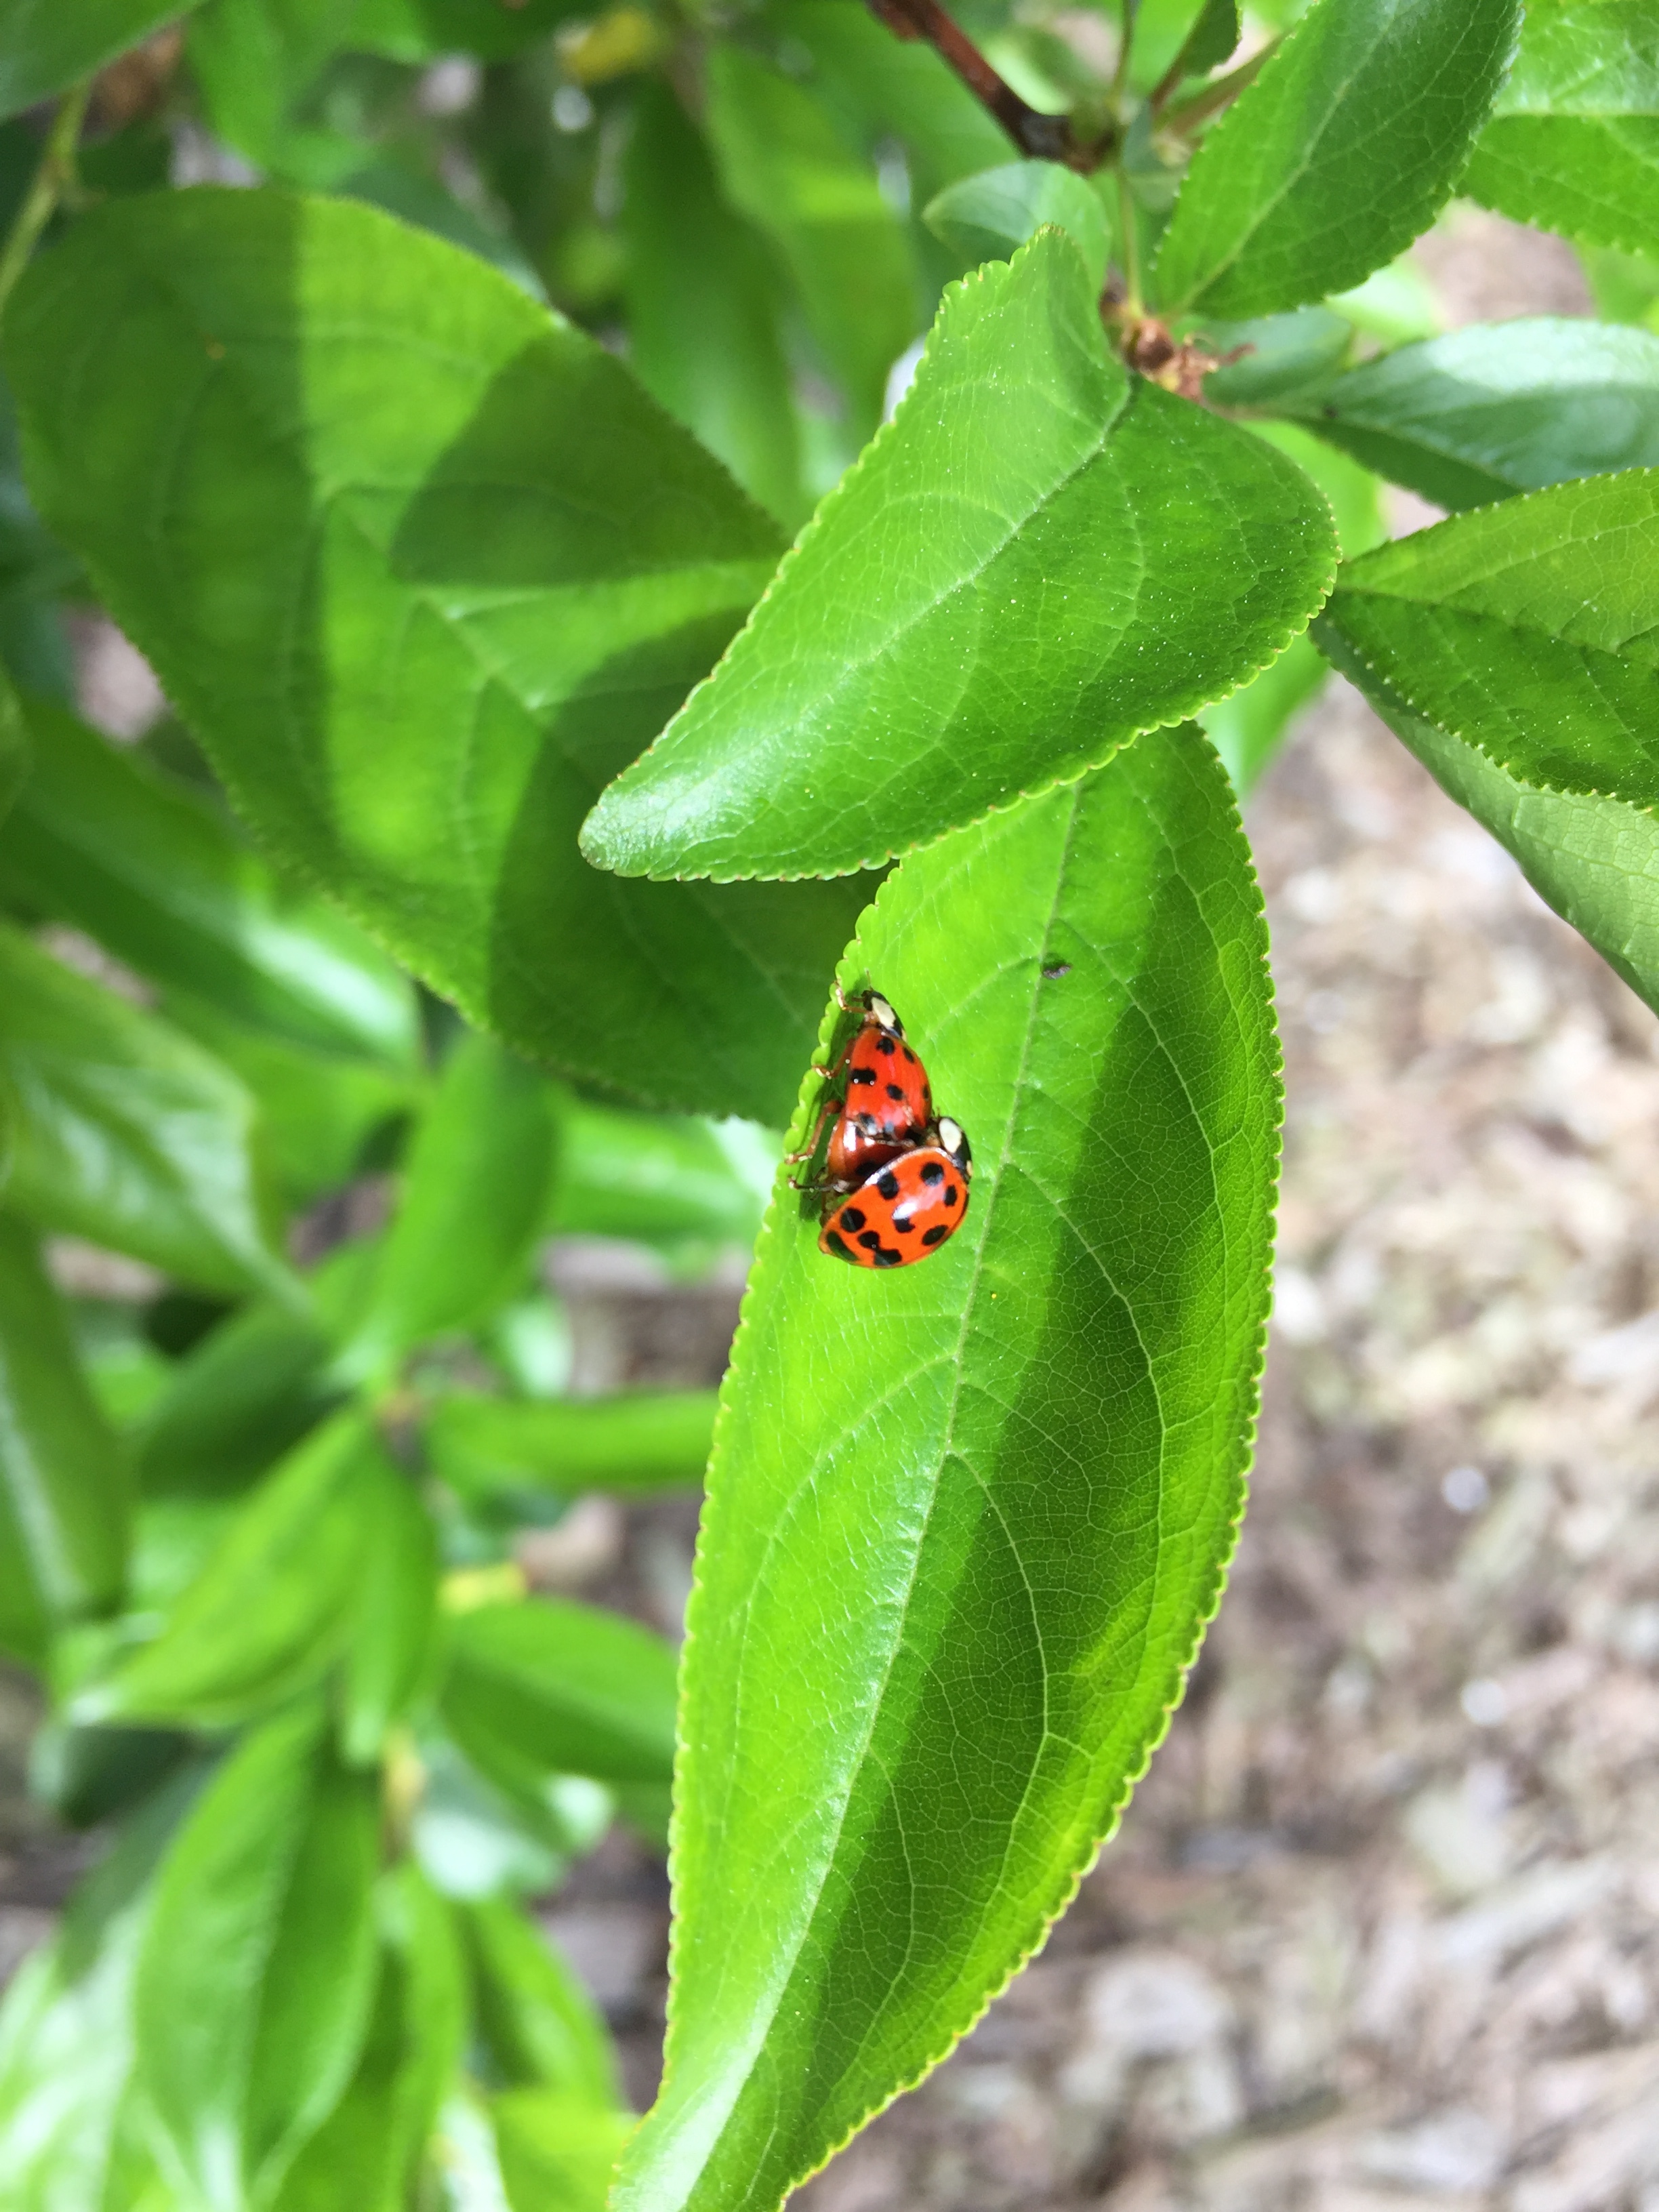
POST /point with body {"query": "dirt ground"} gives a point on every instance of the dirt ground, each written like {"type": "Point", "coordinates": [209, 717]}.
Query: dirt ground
{"type": "Point", "coordinates": [1381, 1930]}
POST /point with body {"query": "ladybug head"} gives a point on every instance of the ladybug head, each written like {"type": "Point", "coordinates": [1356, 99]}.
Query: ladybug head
{"type": "Point", "coordinates": [884, 1014]}
{"type": "Point", "coordinates": [953, 1140]}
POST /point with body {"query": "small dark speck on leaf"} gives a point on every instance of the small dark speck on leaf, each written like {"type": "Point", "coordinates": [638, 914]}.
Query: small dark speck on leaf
{"type": "Point", "coordinates": [1053, 969]}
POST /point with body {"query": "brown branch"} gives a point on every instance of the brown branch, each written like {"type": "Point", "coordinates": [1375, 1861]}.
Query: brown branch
{"type": "Point", "coordinates": [1043, 137]}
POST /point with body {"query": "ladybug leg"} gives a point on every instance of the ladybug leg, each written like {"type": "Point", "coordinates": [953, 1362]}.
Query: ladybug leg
{"type": "Point", "coordinates": [831, 1107]}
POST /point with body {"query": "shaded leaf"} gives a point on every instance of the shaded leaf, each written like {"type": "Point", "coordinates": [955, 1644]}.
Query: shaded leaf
{"type": "Point", "coordinates": [128, 1133]}
{"type": "Point", "coordinates": [1248, 729]}
{"type": "Point", "coordinates": [49, 46]}
{"type": "Point", "coordinates": [1595, 860]}
{"type": "Point", "coordinates": [270, 1608]}
{"type": "Point", "coordinates": [1485, 413]}
{"type": "Point", "coordinates": [987, 218]}
{"type": "Point", "coordinates": [14, 746]}
{"type": "Point", "coordinates": [1026, 1454]}
{"type": "Point", "coordinates": [1279, 354]}
{"type": "Point", "coordinates": [783, 167]}
{"type": "Point", "coordinates": [426, 30]}
{"type": "Point", "coordinates": [64, 1481]}
{"type": "Point", "coordinates": [1573, 143]}
{"type": "Point", "coordinates": [66, 2043]}
{"type": "Point", "coordinates": [154, 871]}
{"type": "Point", "coordinates": [1211, 40]}
{"type": "Point", "coordinates": [548, 1687]}
{"type": "Point", "coordinates": [474, 1196]}
{"type": "Point", "coordinates": [234, 1404]}
{"type": "Point", "coordinates": [1336, 156]}
{"type": "Point", "coordinates": [366, 2154]}
{"type": "Point", "coordinates": [703, 310]}
{"type": "Point", "coordinates": [318, 1111]}
{"type": "Point", "coordinates": [1527, 629]}
{"type": "Point", "coordinates": [536, 2022]}
{"type": "Point", "coordinates": [468, 535]}
{"type": "Point", "coordinates": [257, 1970]}
{"type": "Point", "coordinates": [1035, 560]}
{"type": "Point", "coordinates": [392, 1647]}
{"type": "Point", "coordinates": [644, 1440]}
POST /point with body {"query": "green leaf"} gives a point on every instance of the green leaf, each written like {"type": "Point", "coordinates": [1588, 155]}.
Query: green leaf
{"type": "Point", "coordinates": [426, 30]}
{"type": "Point", "coordinates": [1488, 411]}
{"type": "Point", "coordinates": [234, 1404]}
{"type": "Point", "coordinates": [392, 1647]}
{"type": "Point", "coordinates": [1336, 156]}
{"type": "Point", "coordinates": [1280, 355]}
{"type": "Point", "coordinates": [1112, 559]}
{"type": "Point", "coordinates": [702, 310]}
{"type": "Point", "coordinates": [1211, 40]}
{"type": "Point", "coordinates": [1025, 1454]}
{"type": "Point", "coordinates": [784, 165]}
{"type": "Point", "coordinates": [14, 746]}
{"type": "Point", "coordinates": [557, 2153]}
{"type": "Point", "coordinates": [318, 1111]}
{"type": "Point", "coordinates": [64, 1481]}
{"type": "Point", "coordinates": [367, 2154]}
{"type": "Point", "coordinates": [1595, 860]}
{"type": "Point", "coordinates": [644, 1440]}
{"type": "Point", "coordinates": [653, 1177]}
{"type": "Point", "coordinates": [1573, 143]}
{"type": "Point", "coordinates": [987, 218]}
{"type": "Point", "coordinates": [66, 2037]}
{"type": "Point", "coordinates": [154, 871]}
{"type": "Point", "coordinates": [537, 2023]}
{"type": "Point", "coordinates": [128, 1133]}
{"type": "Point", "coordinates": [1527, 629]}
{"type": "Point", "coordinates": [474, 1196]}
{"type": "Point", "coordinates": [258, 1971]}
{"type": "Point", "coordinates": [48, 46]}
{"type": "Point", "coordinates": [1248, 729]}
{"type": "Point", "coordinates": [270, 1609]}
{"type": "Point", "coordinates": [880, 88]}
{"type": "Point", "coordinates": [549, 1687]}
{"type": "Point", "coordinates": [465, 532]}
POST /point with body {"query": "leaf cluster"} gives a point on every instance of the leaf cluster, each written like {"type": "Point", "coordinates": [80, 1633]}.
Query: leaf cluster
{"type": "Point", "coordinates": [647, 527]}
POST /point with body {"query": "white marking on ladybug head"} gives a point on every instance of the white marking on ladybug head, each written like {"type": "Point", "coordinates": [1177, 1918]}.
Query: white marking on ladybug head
{"type": "Point", "coordinates": [953, 1141]}
{"type": "Point", "coordinates": [884, 1014]}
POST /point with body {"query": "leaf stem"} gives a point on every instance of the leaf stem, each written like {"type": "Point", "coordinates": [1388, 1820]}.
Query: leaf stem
{"type": "Point", "coordinates": [57, 170]}
{"type": "Point", "coordinates": [1130, 243]}
{"type": "Point", "coordinates": [1220, 93]}
{"type": "Point", "coordinates": [1041, 137]}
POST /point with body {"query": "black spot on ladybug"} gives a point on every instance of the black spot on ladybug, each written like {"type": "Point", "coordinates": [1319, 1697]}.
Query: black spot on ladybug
{"type": "Point", "coordinates": [861, 1075]}
{"type": "Point", "coordinates": [1053, 969]}
{"type": "Point", "coordinates": [835, 1245]}
{"type": "Point", "coordinates": [887, 1256]}
{"type": "Point", "coordinates": [851, 1219]}
{"type": "Point", "coordinates": [950, 1194]}
{"type": "Point", "coordinates": [937, 1236]}
{"type": "Point", "coordinates": [932, 1172]}
{"type": "Point", "coordinates": [894, 1091]}
{"type": "Point", "coordinates": [909, 1055]}
{"type": "Point", "coordinates": [903, 1228]}
{"type": "Point", "coordinates": [870, 1240]}
{"type": "Point", "coordinates": [886, 1044]}
{"type": "Point", "coordinates": [888, 1184]}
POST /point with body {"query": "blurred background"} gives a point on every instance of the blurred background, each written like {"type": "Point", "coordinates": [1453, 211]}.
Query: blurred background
{"type": "Point", "coordinates": [1382, 1927]}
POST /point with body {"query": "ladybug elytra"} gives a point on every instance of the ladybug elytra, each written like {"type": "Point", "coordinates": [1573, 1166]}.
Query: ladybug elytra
{"type": "Point", "coordinates": [895, 1174]}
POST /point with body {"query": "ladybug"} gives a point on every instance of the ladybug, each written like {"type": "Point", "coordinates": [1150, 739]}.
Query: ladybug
{"type": "Point", "coordinates": [879, 1103]}
{"type": "Point", "coordinates": [906, 1209]}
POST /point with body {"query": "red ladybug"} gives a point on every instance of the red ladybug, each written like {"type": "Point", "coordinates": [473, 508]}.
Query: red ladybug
{"type": "Point", "coordinates": [906, 1209]}
{"type": "Point", "coordinates": [880, 1098]}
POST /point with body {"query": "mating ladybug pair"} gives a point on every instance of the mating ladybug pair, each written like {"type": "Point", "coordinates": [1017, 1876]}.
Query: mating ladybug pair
{"type": "Point", "coordinates": [895, 1174]}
